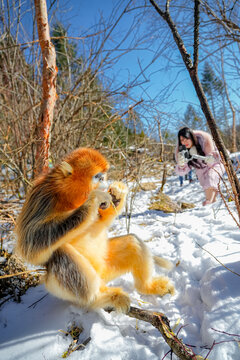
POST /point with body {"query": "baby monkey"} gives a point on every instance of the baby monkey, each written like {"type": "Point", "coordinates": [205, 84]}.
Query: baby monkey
{"type": "Point", "coordinates": [63, 225]}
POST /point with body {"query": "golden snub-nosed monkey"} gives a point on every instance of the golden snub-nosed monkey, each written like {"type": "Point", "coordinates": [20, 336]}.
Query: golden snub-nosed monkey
{"type": "Point", "coordinates": [63, 225]}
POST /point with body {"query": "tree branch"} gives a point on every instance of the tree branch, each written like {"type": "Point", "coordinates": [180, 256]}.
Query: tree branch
{"type": "Point", "coordinates": [179, 42]}
{"type": "Point", "coordinates": [196, 34]}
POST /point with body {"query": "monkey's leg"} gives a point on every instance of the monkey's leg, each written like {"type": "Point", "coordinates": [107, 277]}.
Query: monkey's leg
{"type": "Point", "coordinates": [128, 253]}
{"type": "Point", "coordinates": [70, 276]}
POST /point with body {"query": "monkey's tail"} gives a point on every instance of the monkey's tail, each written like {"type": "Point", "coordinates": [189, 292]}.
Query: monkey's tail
{"type": "Point", "coordinates": [163, 262]}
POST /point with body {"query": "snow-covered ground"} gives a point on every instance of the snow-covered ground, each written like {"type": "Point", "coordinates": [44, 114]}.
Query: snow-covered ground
{"type": "Point", "coordinates": [204, 311]}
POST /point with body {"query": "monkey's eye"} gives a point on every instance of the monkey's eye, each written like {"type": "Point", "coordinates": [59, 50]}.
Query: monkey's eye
{"type": "Point", "coordinates": [100, 177]}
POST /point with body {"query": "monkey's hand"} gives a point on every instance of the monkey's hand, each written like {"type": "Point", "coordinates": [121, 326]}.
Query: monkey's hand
{"type": "Point", "coordinates": [118, 192]}
{"type": "Point", "coordinates": [103, 198]}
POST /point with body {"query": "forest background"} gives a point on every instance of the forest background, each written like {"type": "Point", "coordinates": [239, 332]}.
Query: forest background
{"type": "Point", "coordinates": [127, 75]}
{"type": "Point", "coordinates": [121, 85]}
{"type": "Point", "coordinates": [121, 82]}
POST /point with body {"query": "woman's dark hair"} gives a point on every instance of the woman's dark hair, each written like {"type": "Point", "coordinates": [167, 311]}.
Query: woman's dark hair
{"type": "Point", "coordinates": [188, 134]}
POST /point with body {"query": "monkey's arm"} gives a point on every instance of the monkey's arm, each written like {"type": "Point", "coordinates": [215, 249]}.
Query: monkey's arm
{"type": "Point", "coordinates": [118, 192]}
{"type": "Point", "coordinates": [38, 240]}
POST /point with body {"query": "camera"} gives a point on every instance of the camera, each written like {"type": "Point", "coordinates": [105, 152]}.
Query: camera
{"type": "Point", "coordinates": [184, 152]}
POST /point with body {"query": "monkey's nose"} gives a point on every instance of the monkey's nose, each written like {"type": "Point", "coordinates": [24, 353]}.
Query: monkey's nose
{"type": "Point", "coordinates": [103, 186]}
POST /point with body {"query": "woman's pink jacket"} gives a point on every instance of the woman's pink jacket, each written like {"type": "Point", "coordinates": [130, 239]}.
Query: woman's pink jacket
{"type": "Point", "coordinates": [209, 176]}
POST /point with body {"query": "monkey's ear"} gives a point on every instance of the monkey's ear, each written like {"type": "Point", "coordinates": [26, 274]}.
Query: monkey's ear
{"type": "Point", "coordinates": [66, 168]}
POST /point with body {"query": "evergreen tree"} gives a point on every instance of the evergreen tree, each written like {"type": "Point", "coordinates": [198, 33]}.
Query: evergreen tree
{"type": "Point", "coordinates": [192, 119]}
{"type": "Point", "coordinates": [69, 65]}
{"type": "Point", "coordinates": [212, 86]}
{"type": "Point", "coordinates": [65, 49]}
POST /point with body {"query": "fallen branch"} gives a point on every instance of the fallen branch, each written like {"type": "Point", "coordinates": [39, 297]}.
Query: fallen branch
{"type": "Point", "coordinates": [161, 322]}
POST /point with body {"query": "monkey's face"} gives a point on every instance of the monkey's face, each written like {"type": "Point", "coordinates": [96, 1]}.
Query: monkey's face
{"type": "Point", "coordinates": [81, 172]}
{"type": "Point", "coordinates": [99, 181]}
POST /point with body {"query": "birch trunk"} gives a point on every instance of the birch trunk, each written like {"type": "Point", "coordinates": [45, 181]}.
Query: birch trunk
{"type": "Point", "coordinates": [49, 74]}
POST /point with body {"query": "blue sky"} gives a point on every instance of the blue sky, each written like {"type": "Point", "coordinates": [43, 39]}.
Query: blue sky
{"type": "Point", "coordinates": [79, 15]}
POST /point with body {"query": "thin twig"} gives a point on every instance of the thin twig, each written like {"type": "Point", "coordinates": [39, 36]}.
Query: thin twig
{"type": "Point", "coordinates": [21, 273]}
{"type": "Point", "coordinates": [116, 118]}
{"type": "Point", "coordinates": [52, 37]}
{"type": "Point", "coordinates": [226, 333]}
{"type": "Point", "coordinates": [34, 304]}
{"type": "Point", "coordinates": [217, 260]}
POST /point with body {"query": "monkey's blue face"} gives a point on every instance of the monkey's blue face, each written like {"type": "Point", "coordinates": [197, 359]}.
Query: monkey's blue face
{"type": "Point", "coordinates": [99, 180]}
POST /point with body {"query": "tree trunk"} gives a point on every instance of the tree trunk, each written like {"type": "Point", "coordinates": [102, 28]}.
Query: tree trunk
{"type": "Point", "coordinates": [48, 86]}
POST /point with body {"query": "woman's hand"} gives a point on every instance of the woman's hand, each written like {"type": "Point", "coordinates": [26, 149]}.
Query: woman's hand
{"type": "Point", "coordinates": [210, 160]}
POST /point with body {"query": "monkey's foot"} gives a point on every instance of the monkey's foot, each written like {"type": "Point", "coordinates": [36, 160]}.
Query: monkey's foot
{"type": "Point", "coordinates": [112, 298]}
{"type": "Point", "coordinates": [158, 286]}
{"type": "Point", "coordinates": [120, 301]}
{"type": "Point", "coordinates": [118, 191]}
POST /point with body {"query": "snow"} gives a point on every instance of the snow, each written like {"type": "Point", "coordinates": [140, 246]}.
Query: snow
{"type": "Point", "coordinates": [204, 312]}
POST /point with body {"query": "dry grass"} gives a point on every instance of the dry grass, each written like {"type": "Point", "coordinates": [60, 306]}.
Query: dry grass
{"type": "Point", "coordinates": [164, 203]}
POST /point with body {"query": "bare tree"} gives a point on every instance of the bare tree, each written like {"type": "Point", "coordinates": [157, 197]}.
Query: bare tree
{"type": "Point", "coordinates": [192, 67]}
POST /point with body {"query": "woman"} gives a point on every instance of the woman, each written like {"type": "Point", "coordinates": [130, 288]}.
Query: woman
{"type": "Point", "coordinates": [209, 170]}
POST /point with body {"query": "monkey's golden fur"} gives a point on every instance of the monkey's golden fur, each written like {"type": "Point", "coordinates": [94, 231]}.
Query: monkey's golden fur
{"type": "Point", "coordinates": [63, 225]}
